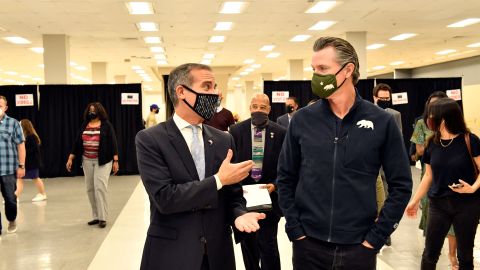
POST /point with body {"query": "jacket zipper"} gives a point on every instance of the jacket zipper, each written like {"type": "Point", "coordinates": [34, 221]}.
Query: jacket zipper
{"type": "Point", "coordinates": [333, 188]}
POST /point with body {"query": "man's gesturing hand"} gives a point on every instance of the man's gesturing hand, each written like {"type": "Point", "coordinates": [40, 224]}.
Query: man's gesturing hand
{"type": "Point", "coordinates": [232, 173]}
{"type": "Point", "coordinates": [249, 222]}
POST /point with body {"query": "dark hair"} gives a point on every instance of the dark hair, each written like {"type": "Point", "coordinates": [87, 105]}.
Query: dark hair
{"type": "Point", "coordinates": [344, 50]}
{"type": "Point", "coordinates": [382, 87]}
{"type": "Point", "coordinates": [448, 110]}
{"type": "Point", "coordinates": [28, 130]}
{"type": "Point", "coordinates": [294, 99]}
{"type": "Point", "coordinates": [436, 94]}
{"type": "Point", "coordinates": [101, 113]}
{"type": "Point", "coordinates": [181, 75]}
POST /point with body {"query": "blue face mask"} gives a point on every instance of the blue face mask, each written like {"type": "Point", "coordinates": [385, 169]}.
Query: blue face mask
{"type": "Point", "coordinates": [205, 104]}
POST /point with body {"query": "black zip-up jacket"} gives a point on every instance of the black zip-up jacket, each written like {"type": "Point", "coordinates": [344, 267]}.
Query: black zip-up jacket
{"type": "Point", "coordinates": [327, 174]}
{"type": "Point", "coordinates": [108, 143]}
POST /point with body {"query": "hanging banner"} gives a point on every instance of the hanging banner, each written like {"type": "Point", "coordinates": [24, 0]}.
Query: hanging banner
{"type": "Point", "coordinates": [24, 100]}
{"type": "Point", "coordinates": [455, 94]}
{"type": "Point", "coordinates": [399, 98]}
{"type": "Point", "coordinates": [130, 99]}
{"type": "Point", "coordinates": [279, 96]}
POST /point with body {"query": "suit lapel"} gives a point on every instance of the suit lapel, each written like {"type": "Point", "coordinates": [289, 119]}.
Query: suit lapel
{"type": "Point", "coordinates": [177, 140]}
{"type": "Point", "coordinates": [247, 150]}
{"type": "Point", "coordinates": [208, 147]}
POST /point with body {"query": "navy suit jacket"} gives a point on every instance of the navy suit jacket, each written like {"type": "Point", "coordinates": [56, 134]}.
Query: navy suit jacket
{"type": "Point", "coordinates": [274, 136]}
{"type": "Point", "coordinates": [283, 120]}
{"type": "Point", "coordinates": [188, 217]}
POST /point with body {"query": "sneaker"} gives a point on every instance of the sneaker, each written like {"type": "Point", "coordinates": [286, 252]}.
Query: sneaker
{"type": "Point", "coordinates": [102, 224]}
{"type": "Point", "coordinates": [93, 222]}
{"type": "Point", "coordinates": [12, 227]}
{"type": "Point", "coordinates": [39, 197]}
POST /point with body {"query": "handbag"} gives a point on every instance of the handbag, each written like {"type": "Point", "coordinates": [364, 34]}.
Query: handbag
{"type": "Point", "coordinates": [469, 147]}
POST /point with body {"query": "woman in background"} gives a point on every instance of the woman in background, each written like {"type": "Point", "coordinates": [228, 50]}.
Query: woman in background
{"type": "Point", "coordinates": [32, 161]}
{"type": "Point", "coordinates": [96, 144]}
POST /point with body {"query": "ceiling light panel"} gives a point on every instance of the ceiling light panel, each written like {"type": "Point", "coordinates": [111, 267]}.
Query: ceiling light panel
{"type": "Point", "coordinates": [208, 56]}
{"type": "Point", "coordinates": [322, 25]}
{"type": "Point", "coordinates": [465, 22]}
{"type": "Point", "coordinates": [378, 67]}
{"type": "Point", "coordinates": [147, 27]}
{"type": "Point", "coordinates": [273, 55]}
{"type": "Point", "coordinates": [140, 8]}
{"type": "Point", "coordinates": [17, 40]}
{"type": "Point", "coordinates": [37, 50]}
{"type": "Point", "coordinates": [474, 45]}
{"type": "Point", "coordinates": [444, 52]}
{"type": "Point", "coordinates": [267, 48]}
{"type": "Point", "coordinates": [206, 61]}
{"type": "Point", "coordinates": [162, 62]}
{"type": "Point", "coordinates": [397, 63]}
{"type": "Point", "coordinates": [249, 61]}
{"type": "Point", "coordinates": [300, 38]}
{"type": "Point", "coordinates": [152, 40]}
{"type": "Point", "coordinates": [403, 36]}
{"type": "Point", "coordinates": [223, 26]}
{"type": "Point", "coordinates": [375, 46]}
{"type": "Point", "coordinates": [322, 7]}
{"type": "Point", "coordinates": [232, 7]}
{"type": "Point", "coordinates": [157, 49]}
{"type": "Point", "coordinates": [216, 39]}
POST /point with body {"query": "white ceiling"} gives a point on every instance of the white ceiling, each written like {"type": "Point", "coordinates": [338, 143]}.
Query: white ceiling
{"type": "Point", "coordinates": [103, 30]}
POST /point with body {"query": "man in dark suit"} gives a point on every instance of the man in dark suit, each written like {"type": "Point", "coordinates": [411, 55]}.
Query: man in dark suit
{"type": "Point", "coordinates": [192, 186]}
{"type": "Point", "coordinates": [260, 139]}
{"type": "Point", "coordinates": [291, 106]}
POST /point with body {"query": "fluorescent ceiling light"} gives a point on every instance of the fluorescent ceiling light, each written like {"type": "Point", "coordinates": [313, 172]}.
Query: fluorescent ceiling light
{"type": "Point", "coordinates": [37, 49]}
{"type": "Point", "coordinates": [474, 45]}
{"type": "Point", "coordinates": [403, 36]}
{"type": "Point", "coordinates": [157, 49]}
{"type": "Point", "coordinates": [308, 69]}
{"type": "Point", "coordinates": [444, 52]}
{"type": "Point", "coordinates": [267, 48]}
{"type": "Point", "coordinates": [235, 78]}
{"type": "Point", "coordinates": [223, 26]}
{"type": "Point", "coordinates": [138, 8]}
{"type": "Point", "coordinates": [249, 61]}
{"type": "Point", "coordinates": [17, 40]}
{"type": "Point", "coordinates": [322, 7]}
{"type": "Point", "coordinates": [9, 81]}
{"type": "Point", "coordinates": [273, 55]}
{"type": "Point", "coordinates": [396, 63]}
{"type": "Point", "coordinates": [36, 79]}
{"type": "Point", "coordinates": [216, 39]}
{"type": "Point", "coordinates": [465, 22]}
{"type": "Point", "coordinates": [160, 57]}
{"type": "Point", "coordinates": [136, 67]}
{"type": "Point", "coordinates": [232, 7]}
{"type": "Point", "coordinates": [25, 76]}
{"type": "Point", "coordinates": [375, 46]}
{"type": "Point", "coordinates": [41, 66]}
{"type": "Point", "coordinates": [256, 66]}
{"type": "Point", "coordinates": [73, 64]}
{"type": "Point", "coordinates": [81, 68]}
{"type": "Point", "coordinates": [10, 72]}
{"type": "Point", "coordinates": [206, 61]}
{"type": "Point", "coordinates": [300, 38]}
{"type": "Point", "coordinates": [244, 73]}
{"type": "Point", "coordinates": [208, 55]}
{"type": "Point", "coordinates": [140, 71]}
{"type": "Point", "coordinates": [152, 40]}
{"type": "Point", "coordinates": [162, 62]}
{"type": "Point", "coordinates": [148, 79]}
{"type": "Point", "coordinates": [322, 25]}
{"type": "Point", "coordinates": [249, 69]}
{"type": "Point", "coordinates": [378, 67]}
{"type": "Point", "coordinates": [147, 26]}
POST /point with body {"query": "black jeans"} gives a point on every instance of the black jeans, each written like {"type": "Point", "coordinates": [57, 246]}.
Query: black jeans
{"type": "Point", "coordinates": [262, 245]}
{"type": "Point", "coordinates": [312, 254]}
{"type": "Point", "coordinates": [8, 185]}
{"type": "Point", "coordinates": [461, 211]}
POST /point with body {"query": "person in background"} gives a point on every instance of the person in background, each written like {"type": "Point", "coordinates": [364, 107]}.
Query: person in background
{"type": "Point", "coordinates": [291, 106]}
{"type": "Point", "coordinates": [151, 119]}
{"type": "Point", "coordinates": [12, 161]}
{"type": "Point", "coordinates": [452, 159]}
{"type": "Point", "coordinates": [96, 145]}
{"type": "Point", "coordinates": [32, 161]}
{"type": "Point", "coordinates": [329, 165]}
{"type": "Point", "coordinates": [260, 140]}
{"type": "Point", "coordinates": [222, 119]}
{"type": "Point", "coordinates": [236, 117]}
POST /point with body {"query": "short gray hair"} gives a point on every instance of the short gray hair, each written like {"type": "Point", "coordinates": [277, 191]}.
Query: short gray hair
{"type": "Point", "coordinates": [345, 53]}
{"type": "Point", "coordinates": [181, 75]}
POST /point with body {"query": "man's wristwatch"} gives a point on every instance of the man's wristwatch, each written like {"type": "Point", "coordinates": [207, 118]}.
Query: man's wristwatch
{"type": "Point", "coordinates": [21, 166]}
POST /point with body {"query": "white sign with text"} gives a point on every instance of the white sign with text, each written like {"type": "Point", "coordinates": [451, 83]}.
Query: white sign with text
{"type": "Point", "coordinates": [24, 100]}
{"type": "Point", "coordinates": [130, 99]}
{"type": "Point", "coordinates": [454, 94]}
{"type": "Point", "coordinates": [399, 98]}
{"type": "Point", "coordinates": [279, 96]}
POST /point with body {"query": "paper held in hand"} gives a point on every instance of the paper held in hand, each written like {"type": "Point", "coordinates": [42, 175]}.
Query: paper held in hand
{"type": "Point", "coordinates": [257, 197]}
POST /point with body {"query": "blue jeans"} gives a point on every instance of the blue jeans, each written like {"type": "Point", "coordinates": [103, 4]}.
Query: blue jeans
{"type": "Point", "coordinates": [313, 254]}
{"type": "Point", "coordinates": [8, 185]}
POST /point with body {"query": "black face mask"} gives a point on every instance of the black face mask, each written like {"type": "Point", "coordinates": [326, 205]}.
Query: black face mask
{"type": "Point", "coordinates": [205, 104]}
{"type": "Point", "coordinates": [259, 119]}
{"type": "Point", "coordinates": [289, 108]}
{"type": "Point", "coordinates": [384, 103]}
{"type": "Point", "coordinates": [92, 115]}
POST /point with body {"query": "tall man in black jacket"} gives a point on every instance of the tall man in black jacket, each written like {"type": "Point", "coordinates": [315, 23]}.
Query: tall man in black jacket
{"type": "Point", "coordinates": [329, 164]}
{"type": "Point", "coordinates": [260, 139]}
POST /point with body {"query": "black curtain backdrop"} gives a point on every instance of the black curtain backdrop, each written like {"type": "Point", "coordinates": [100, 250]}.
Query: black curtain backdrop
{"type": "Point", "coordinates": [418, 91]}
{"type": "Point", "coordinates": [302, 90]}
{"type": "Point", "coordinates": [21, 112]}
{"type": "Point", "coordinates": [168, 103]}
{"type": "Point", "coordinates": [62, 115]}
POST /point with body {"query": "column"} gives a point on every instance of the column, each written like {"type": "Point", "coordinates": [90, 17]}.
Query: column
{"type": "Point", "coordinates": [359, 42]}
{"type": "Point", "coordinates": [295, 69]}
{"type": "Point", "coordinates": [222, 85]}
{"type": "Point", "coordinates": [56, 59]}
{"type": "Point", "coordinates": [99, 72]}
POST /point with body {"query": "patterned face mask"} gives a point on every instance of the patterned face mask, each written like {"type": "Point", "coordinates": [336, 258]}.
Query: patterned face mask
{"type": "Point", "coordinates": [205, 104]}
{"type": "Point", "coordinates": [325, 85]}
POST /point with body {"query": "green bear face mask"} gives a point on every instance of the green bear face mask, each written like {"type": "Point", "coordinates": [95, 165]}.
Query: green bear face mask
{"type": "Point", "coordinates": [325, 85]}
